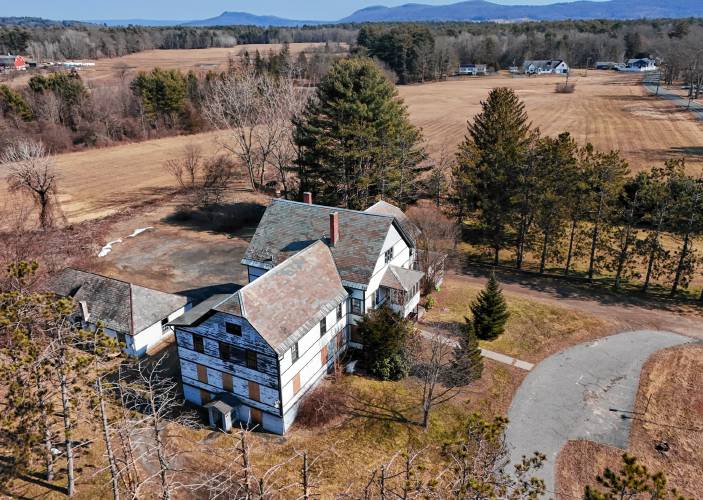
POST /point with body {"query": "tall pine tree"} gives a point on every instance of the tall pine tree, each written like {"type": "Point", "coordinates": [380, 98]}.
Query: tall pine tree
{"type": "Point", "coordinates": [355, 139]}
{"type": "Point", "coordinates": [495, 147]}
{"type": "Point", "coordinates": [490, 311]}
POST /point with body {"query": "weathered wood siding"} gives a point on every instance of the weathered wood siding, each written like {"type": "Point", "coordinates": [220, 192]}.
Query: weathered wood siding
{"type": "Point", "coordinates": [212, 330]}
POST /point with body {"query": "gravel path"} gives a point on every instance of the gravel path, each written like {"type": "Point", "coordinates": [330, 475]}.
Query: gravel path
{"type": "Point", "coordinates": [570, 395]}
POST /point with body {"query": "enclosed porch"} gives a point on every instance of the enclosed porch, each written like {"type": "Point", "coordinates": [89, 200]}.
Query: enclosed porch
{"type": "Point", "coordinates": [400, 289]}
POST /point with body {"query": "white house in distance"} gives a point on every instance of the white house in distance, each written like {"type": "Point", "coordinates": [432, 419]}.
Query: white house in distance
{"type": "Point", "coordinates": [472, 69]}
{"type": "Point", "coordinates": [314, 271]}
{"type": "Point", "coordinates": [640, 65]}
{"type": "Point", "coordinates": [137, 316]}
{"type": "Point", "coordinates": [542, 67]}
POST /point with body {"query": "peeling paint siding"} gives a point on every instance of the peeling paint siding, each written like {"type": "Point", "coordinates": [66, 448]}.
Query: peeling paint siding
{"type": "Point", "coordinates": [192, 395]}
{"type": "Point", "coordinates": [267, 379]}
{"type": "Point", "coordinates": [255, 272]}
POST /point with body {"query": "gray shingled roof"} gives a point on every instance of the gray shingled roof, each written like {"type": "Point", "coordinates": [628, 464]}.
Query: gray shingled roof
{"type": "Point", "coordinates": [290, 299]}
{"type": "Point", "coordinates": [119, 305]}
{"type": "Point", "coordinates": [197, 313]}
{"type": "Point", "coordinates": [408, 226]}
{"type": "Point", "coordinates": [400, 278]}
{"type": "Point", "coordinates": [287, 227]}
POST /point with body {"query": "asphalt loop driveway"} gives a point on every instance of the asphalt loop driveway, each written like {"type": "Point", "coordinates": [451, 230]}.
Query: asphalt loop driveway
{"type": "Point", "coordinates": [569, 396]}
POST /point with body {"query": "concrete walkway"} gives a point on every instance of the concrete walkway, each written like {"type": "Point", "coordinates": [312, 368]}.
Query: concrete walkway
{"type": "Point", "coordinates": [650, 83]}
{"type": "Point", "coordinates": [495, 356]}
{"type": "Point", "coordinates": [570, 395]}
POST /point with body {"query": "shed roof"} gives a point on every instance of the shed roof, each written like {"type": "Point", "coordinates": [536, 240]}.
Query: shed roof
{"type": "Point", "coordinates": [288, 227]}
{"type": "Point", "coordinates": [119, 305]}
{"type": "Point", "coordinates": [290, 299]}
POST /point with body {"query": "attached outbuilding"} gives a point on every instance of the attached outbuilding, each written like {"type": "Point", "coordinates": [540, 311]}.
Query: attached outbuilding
{"type": "Point", "coordinates": [137, 316]}
{"type": "Point", "coordinates": [542, 67]}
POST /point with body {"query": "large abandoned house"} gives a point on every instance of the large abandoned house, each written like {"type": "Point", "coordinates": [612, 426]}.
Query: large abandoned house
{"type": "Point", "coordinates": [137, 316]}
{"type": "Point", "coordinates": [314, 271]}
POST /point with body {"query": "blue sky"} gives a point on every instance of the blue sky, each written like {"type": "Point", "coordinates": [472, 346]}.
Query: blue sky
{"type": "Point", "coordinates": [188, 9]}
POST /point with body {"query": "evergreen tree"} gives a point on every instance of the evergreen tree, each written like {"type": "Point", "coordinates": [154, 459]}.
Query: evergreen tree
{"type": "Point", "coordinates": [497, 144]}
{"type": "Point", "coordinates": [355, 139]}
{"type": "Point", "coordinates": [468, 363]}
{"type": "Point", "coordinates": [386, 337]}
{"type": "Point", "coordinates": [490, 311]}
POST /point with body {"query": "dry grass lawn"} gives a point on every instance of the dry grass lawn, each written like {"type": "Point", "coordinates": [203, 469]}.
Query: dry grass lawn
{"type": "Point", "coordinates": [669, 408]}
{"type": "Point", "coordinates": [610, 110]}
{"type": "Point", "coordinates": [534, 331]}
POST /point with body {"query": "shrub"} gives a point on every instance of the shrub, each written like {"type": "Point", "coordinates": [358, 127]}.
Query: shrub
{"type": "Point", "coordinates": [431, 302]}
{"type": "Point", "coordinates": [386, 337]}
{"type": "Point", "coordinates": [565, 88]}
{"type": "Point", "coordinates": [322, 405]}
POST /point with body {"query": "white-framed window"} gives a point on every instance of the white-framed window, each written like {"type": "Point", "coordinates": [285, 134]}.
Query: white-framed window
{"type": "Point", "coordinates": [295, 353]}
{"type": "Point", "coordinates": [323, 326]}
{"type": "Point", "coordinates": [389, 255]}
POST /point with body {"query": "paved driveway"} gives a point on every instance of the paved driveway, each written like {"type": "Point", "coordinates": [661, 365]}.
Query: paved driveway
{"type": "Point", "coordinates": [569, 395]}
{"type": "Point", "coordinates": [650, 83]}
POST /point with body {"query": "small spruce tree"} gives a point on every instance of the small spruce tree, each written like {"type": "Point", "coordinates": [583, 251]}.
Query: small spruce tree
{"type": "Point", "coordinates": [467, 365]}
{"type": "Point", "coordinates": [490, 311]}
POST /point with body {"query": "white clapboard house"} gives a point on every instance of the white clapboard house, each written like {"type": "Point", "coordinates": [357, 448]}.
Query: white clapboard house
{"type": "Point", "coordinates": [545, 67]}
{"type": "Point", "coordinates": [137, 316]}
{"type": "Point", "coordinates": [314, 271]}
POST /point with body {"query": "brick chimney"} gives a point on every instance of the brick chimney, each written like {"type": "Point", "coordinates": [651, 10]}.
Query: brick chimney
{"type": "Point", "coordinates": [307, 197]}
{"type": "Point", "coordinates": [334, 228]}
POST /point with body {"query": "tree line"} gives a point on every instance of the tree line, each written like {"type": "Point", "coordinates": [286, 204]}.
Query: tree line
{"type": "Point", "coordinates": [547, 196]}
{"type": "Point", "coordinates": [430, 51]}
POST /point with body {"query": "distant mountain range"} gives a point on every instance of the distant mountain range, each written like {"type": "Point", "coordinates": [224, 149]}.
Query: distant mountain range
{"type": "Point", "coordinates": [471, 10]}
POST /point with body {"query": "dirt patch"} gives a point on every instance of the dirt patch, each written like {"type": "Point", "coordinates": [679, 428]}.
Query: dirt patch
{"type": "Point", "coordinates": [667, 429]}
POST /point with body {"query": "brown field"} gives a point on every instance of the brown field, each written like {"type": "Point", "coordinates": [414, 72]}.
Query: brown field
{"type": "Point", "coordinates": [215, 59]}
{"type": "Point", "coordinates": [612, 111]}
{"type": "Point", "coordinates": [669, 406]}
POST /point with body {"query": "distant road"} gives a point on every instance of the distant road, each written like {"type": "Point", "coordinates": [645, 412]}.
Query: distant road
{"type": "Point", "coordinates": [650, 83]}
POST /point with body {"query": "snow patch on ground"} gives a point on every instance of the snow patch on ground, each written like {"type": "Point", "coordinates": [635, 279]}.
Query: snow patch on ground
{"type": "Point", "coordinates": [108, 248]}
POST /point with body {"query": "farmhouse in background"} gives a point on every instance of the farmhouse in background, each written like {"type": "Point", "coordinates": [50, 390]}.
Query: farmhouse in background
{"type": "Point", "coordinates": [545, 67]}
{"type": "Point", "coordinates": [314, 271]}
{"type": "Point", "coordinates": [640, 64]}
{"type": "Point", "coordinates": [472, 69]}
{"type": "Point", "coordinates": [10, 62]}
{"type": "Point", "coordinates": [137, 316]}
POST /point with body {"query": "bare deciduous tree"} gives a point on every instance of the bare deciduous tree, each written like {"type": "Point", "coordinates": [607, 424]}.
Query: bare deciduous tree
{"type": "Point", "coordinates": [186, 170]}
{"type": "Point", "coordinates": [437, 236]}
{"type": "Point", "coordinates": [257, 110]}
{"type": "Point", "coordinates": [32, 170]}
{"type": "Point", "coordinates": [432, 369]}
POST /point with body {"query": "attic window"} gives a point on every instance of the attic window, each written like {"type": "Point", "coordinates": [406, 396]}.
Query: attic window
{"type": "Point", "coordinates": [339, 311]}
{"type": "Point", "coordinates": [233, 329]}
{"type": "Point", "coordinates": [389, 255]}
{"type": "Point", "coordinates": [295, 353]}
{"type": "Point", "coordinates": [323, 326]}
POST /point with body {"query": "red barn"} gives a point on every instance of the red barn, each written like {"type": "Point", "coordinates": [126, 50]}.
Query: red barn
{"type": "Point", "coordinates": [13, 62]}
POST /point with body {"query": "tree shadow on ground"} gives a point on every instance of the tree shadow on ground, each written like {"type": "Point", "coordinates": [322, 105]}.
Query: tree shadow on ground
{"type": "Point", "coordinates": [36, 478]}
{"type": "Point", "coordinates": [574, 286]}
{"type": "Point", "coordinates": [222, 218]}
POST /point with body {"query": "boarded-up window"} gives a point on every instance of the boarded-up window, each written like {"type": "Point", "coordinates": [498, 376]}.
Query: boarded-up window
{"type": "Point", "coordinates": [204, 396]}
{"type": "Point", "coordinates": [256, 416]}
{"type": "Point", "coordinates": [296, 383]}
{"type": "Point", "coordinates": [254, 391]}
{"type": "Point", "coordinates": [340, 339]}
{"type": "Point", "coordinates": [233, 329]}
{"type": "Point", "coordinates": [225, 351]}
{"type": "Point", "coordinates": [324, 355]}
{"type": "Point", "coordinates": [202, 374]}
{"type": "Point", "coordinates": [227, 382]}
